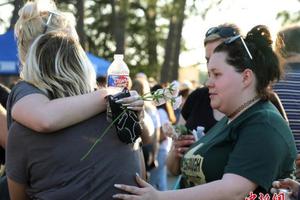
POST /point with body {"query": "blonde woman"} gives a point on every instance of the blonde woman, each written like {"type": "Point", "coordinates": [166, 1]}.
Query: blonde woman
{"type": "Point", "coordinates": [49, 166]}
{"type": "Point", "coordinates": [33, 109]}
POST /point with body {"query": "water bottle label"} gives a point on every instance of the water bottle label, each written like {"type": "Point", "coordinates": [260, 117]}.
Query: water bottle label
{"type": "Point", "coordinates": [117, 80]}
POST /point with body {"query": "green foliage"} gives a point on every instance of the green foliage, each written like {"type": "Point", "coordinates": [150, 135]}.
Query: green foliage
{"type": "Point", "coordinates": [147, 28]}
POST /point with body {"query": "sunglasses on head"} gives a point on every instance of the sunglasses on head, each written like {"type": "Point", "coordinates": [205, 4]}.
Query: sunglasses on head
{"type": "Point", "coordinates": [232, 39]}
{"type": "Point", "coordinates": [223, 32]}
{"type": "Point", "coordinates": [51, 13]}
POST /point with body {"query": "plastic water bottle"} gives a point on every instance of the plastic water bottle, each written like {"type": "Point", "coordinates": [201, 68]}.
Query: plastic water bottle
{"type": "Point", "coordinates": [118, 73]}
{"type": "Point", "coordinates": [117, 77]}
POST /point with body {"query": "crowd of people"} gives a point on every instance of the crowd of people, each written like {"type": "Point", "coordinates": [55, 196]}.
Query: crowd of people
{"type": "Point", "coordinates": [248, 114]}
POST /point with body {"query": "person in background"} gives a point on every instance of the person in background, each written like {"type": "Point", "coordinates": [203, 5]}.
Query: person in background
{"type": "Point", "coordinates": [288, 89]}
{"type": "Point", "coordinates": [158, 176]}
{"type": "Point", "coordinates": [4, 92]}
{"type": "Point", "coordinates": [151, 125]}
{"type": "Point", "coordinates": [184, 90]}
{"type": "Point", "coordinates": [52, 166]}
{"type": "Point", "coordinates": [247, 149]}
{"type": "Point", "coordinates": [101, 81]}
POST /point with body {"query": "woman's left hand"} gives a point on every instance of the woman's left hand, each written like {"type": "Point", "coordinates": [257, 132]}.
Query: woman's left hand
{"type": "Point", "coordinates": [145, 192]}
{"type": "Point", "coordinates": [134, 102]}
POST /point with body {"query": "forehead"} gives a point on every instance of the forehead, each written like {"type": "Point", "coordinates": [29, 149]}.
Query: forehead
{"type": "Point", "coordinates": [217, 60]}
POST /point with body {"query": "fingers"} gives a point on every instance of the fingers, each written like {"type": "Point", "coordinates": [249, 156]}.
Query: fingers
{"type": "Point", "coordinates": [125, 196]}
{"type": "Point", "coordinates": [183, 143]}
{"type": "Point", "coordinates": [141, 182]}
{"type": "Point", "coordinates": [182, 150]}
{"type": "Point", "coordinates": [129, 189]}
{"type": "Point", "coordinates": [286, 183]}
{"type": "Point", "coordinates": [274, 191]}
{"type": "Point", "coordinates": [128, 100]}
{"type": "Point", "coordinates": [276, 184]}
{"type": "Point", "coordinates": [134, 102]}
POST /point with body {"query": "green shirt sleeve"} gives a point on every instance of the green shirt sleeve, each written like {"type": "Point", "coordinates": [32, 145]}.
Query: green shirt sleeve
{"type": "Point", "coordinates": [262, 150]}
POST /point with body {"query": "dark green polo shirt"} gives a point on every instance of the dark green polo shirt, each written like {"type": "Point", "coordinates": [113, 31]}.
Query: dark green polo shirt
{"type": "Point", "coordinates": [257, 145]}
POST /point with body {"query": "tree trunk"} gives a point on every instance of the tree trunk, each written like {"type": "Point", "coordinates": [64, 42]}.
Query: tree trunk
{"type": "Point", "coordinates": [17, 5]}
{"type": "Point", "coordinates": [170, 66]}
{"type": "Point", "coordinates": [177, 41]}
{"type": "Point", "coordinates": [151, 36]}
{"type": "Point", "coordinates": [120, 20]}
{"type": "Point", "coordinates": [80, 22]}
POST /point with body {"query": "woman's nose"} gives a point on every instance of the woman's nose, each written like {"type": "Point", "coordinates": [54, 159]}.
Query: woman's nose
{"type": "Point", "coordinates": [208, 83]}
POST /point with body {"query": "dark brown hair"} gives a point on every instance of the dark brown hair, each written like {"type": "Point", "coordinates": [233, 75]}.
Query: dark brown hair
{"type": "Point", "coordinates": [264, 64]}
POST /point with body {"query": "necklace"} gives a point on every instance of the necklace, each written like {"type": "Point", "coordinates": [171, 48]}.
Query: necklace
{"type": "Point", "coordinates": [242, 107]}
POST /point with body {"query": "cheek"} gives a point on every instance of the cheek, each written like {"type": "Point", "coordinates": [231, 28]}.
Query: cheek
{"type": "Point", "coordinates": [227, 89]}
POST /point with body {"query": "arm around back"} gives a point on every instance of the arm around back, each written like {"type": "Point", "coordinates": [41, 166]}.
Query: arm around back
{"type": "Point", "coordinates": [39, 113]}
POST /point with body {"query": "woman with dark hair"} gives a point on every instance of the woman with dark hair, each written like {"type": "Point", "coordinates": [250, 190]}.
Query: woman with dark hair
{"type": "Point", "coordinates": [250, 147]}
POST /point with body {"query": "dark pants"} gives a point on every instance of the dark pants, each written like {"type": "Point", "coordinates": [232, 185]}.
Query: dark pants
{"type": "Point", "coordinates": [3, 188]}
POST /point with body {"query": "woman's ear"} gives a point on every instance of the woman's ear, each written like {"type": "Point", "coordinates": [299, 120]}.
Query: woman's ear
{"type": "Point", "coordinates": [248, 77]}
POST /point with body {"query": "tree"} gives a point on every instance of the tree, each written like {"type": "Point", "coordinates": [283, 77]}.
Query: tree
{"type": "Point", "coordinates": [170, 66]}
{"type": "Point", "coordinates": [80, 22]}
{"type": "Point", "coordinates": [17, 5]}
{"type": "Point", "coordinates": [120, 10]}
{"type": "Point", "coordinates": [148, 32]}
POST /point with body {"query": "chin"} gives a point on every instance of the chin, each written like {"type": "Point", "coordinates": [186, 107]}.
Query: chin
{"type": "Point", "coordinates": [213, 105]}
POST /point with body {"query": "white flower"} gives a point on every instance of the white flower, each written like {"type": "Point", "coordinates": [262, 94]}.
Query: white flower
{"type": "Point", "coordinates": [159, 101]}
{"type": "Point", "coordinates": [161, 96]}
{"type": "Point", "coordinates": [167, 93]}
{"type": "Point", "coordinates": [177, 102]}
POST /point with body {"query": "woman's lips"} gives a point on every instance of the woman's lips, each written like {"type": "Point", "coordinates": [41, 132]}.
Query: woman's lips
{"type": "Point", "coordinates": [211, 95]}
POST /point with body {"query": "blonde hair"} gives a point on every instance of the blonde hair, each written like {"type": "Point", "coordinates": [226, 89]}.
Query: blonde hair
{"type": "Point", "coordinates": [32, 22]}
{"type": "Point", "coordinates": [57, 65]}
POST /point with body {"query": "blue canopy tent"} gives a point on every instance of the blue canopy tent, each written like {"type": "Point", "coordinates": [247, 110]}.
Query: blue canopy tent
{"type": "Point", "coordinates": [9, 64]}
{"type": "Point", "coordinates": [8, 54]}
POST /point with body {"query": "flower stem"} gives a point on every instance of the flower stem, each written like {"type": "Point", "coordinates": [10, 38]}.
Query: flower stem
{"type": "Point", "coordinates": [101, 136]}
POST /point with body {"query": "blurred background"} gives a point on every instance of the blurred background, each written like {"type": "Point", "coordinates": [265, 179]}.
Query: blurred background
{"type": "Point", "coordinates": [162, 38]}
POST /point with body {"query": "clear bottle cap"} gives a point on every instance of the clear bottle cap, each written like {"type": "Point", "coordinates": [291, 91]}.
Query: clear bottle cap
{"type": "Point", "coordinates": [119, 56]}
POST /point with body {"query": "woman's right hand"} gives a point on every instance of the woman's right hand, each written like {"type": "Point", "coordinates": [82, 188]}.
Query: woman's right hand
{"type": "Point", "coordinates": [182, 144]}
{"type": "Point", "coordinates": [287, 183]}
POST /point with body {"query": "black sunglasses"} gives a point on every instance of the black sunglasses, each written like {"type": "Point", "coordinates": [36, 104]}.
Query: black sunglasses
{"type": "Point", "coordinates": [232, 39]}
{"type": "Point", "coordinates": [223, 32]}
